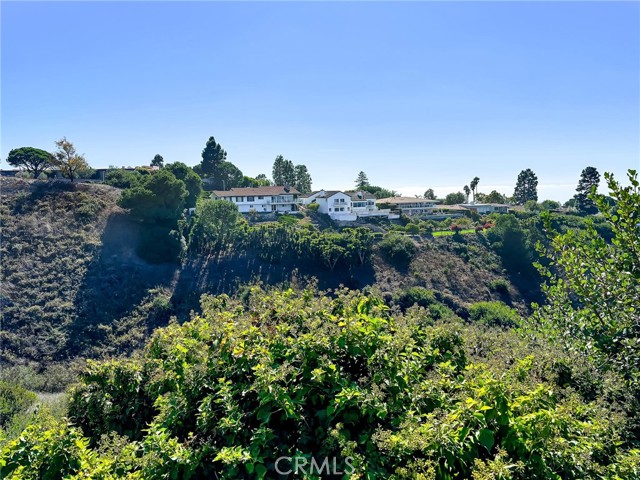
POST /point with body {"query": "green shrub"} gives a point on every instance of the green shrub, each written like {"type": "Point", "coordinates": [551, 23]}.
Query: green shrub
{"type": "Point", "coordinates": [286, 373]}
{"type": "Point", "coordinates": [494, 314]}
{"type": "Point", "coordinates": [287, 220]}
{"type": "Point", "coordinates": [412, 228]}
{"type": "Point", "coordinates": [13, 400]}
{"type": "Point", "coordinates": [397, 248]}
{"type": "Point", "coordinates": [499, 285]}
{"type": "Point", "coordinates": [414, 296]}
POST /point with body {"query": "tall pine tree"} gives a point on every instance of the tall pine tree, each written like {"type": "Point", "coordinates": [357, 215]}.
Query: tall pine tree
{"type": "Point", "coordinates": [588, 179]}
{"type": "Point", "coordinates": [362, 181]}
{"type": "Point", "coordinates": [212, 157]}
{"type": "Point", "coordinates": [283, 172]}
{"type": "Point", "coordinates": [526, 187]}
{"type": "Point", "coordinates": [303, 179]}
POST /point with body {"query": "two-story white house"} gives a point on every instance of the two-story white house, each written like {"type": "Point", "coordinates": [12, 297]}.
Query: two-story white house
{"type": "Point", "coordinates": [346, 206]}
{"type": "Point", "coordinates": [334, 203]}
{"type": "Point", "coordinates": [276, 199]}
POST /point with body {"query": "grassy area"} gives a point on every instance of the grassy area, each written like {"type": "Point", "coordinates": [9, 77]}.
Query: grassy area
{"type": "Point", "coordinates": [442, 233]}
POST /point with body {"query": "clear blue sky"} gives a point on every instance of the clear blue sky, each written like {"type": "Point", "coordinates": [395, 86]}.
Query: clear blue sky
{"type": "Point", "coordinates": [417, 95]}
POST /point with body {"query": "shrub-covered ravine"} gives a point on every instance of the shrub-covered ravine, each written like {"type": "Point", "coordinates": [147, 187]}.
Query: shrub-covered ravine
{"type": "Point", "coordinates": [304, 377]}
{"type": "Point", "coordinates": [279, 382]}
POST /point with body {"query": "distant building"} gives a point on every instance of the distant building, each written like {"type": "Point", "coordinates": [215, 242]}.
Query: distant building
{"type": "Point", "coordinates": [345, 206]}
{"type": "Point", "coordinates": [273, 199]}
{"type": "Point", "coordinates": [486, 208]}
{"type": "Point", "coordinates": [410, 205]}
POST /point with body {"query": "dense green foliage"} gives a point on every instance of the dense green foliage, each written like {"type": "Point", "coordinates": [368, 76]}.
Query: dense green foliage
{"type": "Point", "coordinates": [455, 198]}
{"type": "Point", "coordinates": [157, 198]}
{"type": "Point", "coordinates": [33, 160]}
{"type": "Point", "coordinates": [121, 178]}
{"type": "Point", "coordinates": [594, 288]}
{"type": "Point", "coordinates": [157, 161]}
{"type": "Point", "coordinates": [191, 179]}
{"type": "Point", "coordinates": [14, 400]}
{"type": "Point", "coordinates": [212, 157]}
{"type": "Point", "coordinates": [397, 248]}
{"type": "Point", "coordinates": [295, 374]}
{"type": "Point", "coordinates": [589, 181]}
{"type": "Point", "coordinates": [285, 173]}
{"type": "Point", "coordinates": [526, 187]}
{"type": "Point", "coordinates": [493, 314]}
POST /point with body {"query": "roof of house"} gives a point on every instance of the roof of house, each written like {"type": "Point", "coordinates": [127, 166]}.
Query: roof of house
{"type": "Point", "coordinates": [325, 193]}
{"type": "Point", "coordinates": [360, 195]}
{"type": "Point", "coordinates": [404, 200]}
{"type": "Point", "coordinates": [450, 207]}
{"type": "Point", "coordinates": [253, 191]}
{"type": "Point", "coordinates": [476, 205]}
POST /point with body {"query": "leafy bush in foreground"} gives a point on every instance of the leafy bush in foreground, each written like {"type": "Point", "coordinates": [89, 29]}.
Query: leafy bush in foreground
{"type": "Point", "coordinates": [295, 374]}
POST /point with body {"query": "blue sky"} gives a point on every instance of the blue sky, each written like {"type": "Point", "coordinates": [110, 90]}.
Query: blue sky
{"type": "Point", "coordinates": [417, 95]}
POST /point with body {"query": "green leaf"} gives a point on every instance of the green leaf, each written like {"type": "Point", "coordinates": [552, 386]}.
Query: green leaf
{"type": "Point", "coordinates": [261, 470]}
{"type": "Point", "coordinates": [486, 438]}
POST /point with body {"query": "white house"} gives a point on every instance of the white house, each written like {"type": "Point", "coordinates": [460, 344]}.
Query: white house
{"type": "Point", "coordinates": [485, 208]}
{"type": "Point", "coordinates": [410, 205]}
{"type": "Point", "coordinates": [346, 206]}
{"type": "Point", "coordinates": [261, 199]}
{"type": "Point", "coordinates": [334, 203]}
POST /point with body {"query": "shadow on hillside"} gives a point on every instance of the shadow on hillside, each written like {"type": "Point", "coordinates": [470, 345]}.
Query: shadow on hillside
{"type": "Point", "coordinates": [114, 284]}
{"type": "Point", "coordinates": [521, 274]}
{"type": "Point", "coordinates": [210, 274]}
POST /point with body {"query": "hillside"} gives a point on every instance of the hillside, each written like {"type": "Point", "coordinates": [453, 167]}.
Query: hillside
{"type": "Point", "coordinates": [412, 376]}
{"type": "Point", "coordinates": [73, 285]}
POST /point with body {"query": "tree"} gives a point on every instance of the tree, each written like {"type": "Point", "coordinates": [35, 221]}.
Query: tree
{"type": "Point", "coordinates": [429, 194]}
{"type": "Point", "coordinates": [380, 192]}
{"type": "Point", "coordinates": [158, 198]}
{"type": "Point", "coordinates": [191, 180]}
{"type": "Point", "coordinates": [474, 186]}
{"type": "Point", "coordinates": [588, 183]}
{"type": "Point", "coordinates": [263, 180]}
{"type": "Point", "coordinates": [215, 225]}
{"type": "Point", "coordinates": [549, 205]}
{"type": "Point", "coordinates": [454, 198]}
{"type": "Point", "coordinates": [303, 179]}
{"type": "Point", "coordinates": [68, 160]}
{"type": "Point", "coordinates": [592, 298]}
{"type": "Point", "coordinates": [33, 160]}
{"type": "Point", "coordinates": [467, 192]}
{"type": "Point", "coordinates": [212, 157]}
{"type": "Point", "coordinates": [362, 181]}
{"type": "Point", "coordinates": [526, 187]}
{"type": "Point", "coordinates": [157, 161]}
{"type": "Point", "coordinates": [493, 197]}
{"type": "Point", "coordinates": [121, 178]}
{"type": "Point", "coordinates": [283, 171]}
{"type": "Point", "coordinates": [227, 176]}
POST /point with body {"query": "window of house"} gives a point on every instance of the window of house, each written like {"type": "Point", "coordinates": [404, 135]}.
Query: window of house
{"type": "Point", "coordinates": [250, 199]}
{"type": "Point", "coordinates": [260, 198]}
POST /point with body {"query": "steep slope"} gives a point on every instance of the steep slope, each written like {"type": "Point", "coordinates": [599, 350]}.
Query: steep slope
{"type": "Point", "coordinates": [72, 284]}
{"type": "Point", "coordinates": [67, 267]}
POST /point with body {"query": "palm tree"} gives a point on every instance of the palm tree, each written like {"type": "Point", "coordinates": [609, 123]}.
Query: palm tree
{"type": "Point", "coordinates": [467, 192]}
{"type": "Point", "coordinates": [474, 187]}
